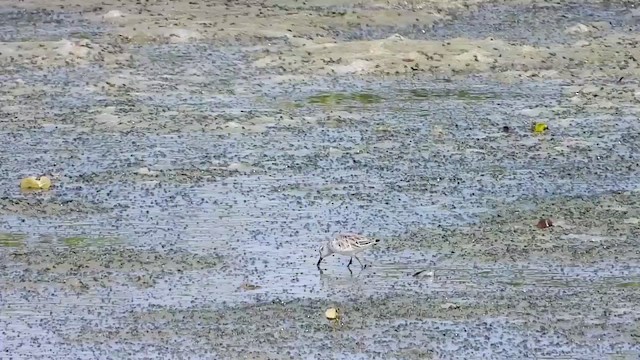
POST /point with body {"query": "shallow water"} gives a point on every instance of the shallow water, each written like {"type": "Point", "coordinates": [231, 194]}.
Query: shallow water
{"type": "Point", "coordinates": [534, 24]}
{"type": "Point", "coordinates": [247, 175]}
{"type": "Point", "coordinates": [39, 25]}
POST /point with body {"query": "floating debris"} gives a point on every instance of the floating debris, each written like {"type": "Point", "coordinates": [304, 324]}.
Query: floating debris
{"type": "Point", "coordinates": [449, 306]}
{"type": "Point", "coordinates": [544, 223]}
{"type": "Point", "coordinates": [248, 287]}
{"type": "Point", "coordinates": [145, 171]}
{"type": "Point", "coordinates": [32, 183]}
{"type": "Point", "coordinates": [425, 272]}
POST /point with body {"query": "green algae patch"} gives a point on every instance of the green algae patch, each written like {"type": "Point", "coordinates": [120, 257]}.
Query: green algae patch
{"type": "Point", "coordinates": [83, 241]}
{"type": "Point", "coordinates": [341, 98]}
{"type": "Point", "coordinates": [465, 95]}
{"type": "Point", "coordinates": [81, 35]}
{"type": "Point", "coordinates": [11, 240]}
{"type": "Point", "coordinates": [632, 284]}
{"type": "Point", "coordinates": [290, 105]}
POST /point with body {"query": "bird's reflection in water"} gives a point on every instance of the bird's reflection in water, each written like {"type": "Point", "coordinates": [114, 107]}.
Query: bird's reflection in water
{"type": "Point", "coordinates": [335, 279]}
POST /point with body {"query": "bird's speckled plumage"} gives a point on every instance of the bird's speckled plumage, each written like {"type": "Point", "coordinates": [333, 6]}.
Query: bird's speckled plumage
{"type": "Point", "coordinates": [348, 244]}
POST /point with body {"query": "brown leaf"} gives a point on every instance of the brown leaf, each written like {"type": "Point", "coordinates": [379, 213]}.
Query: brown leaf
{"type": "Point", "coordinates": [544, 223]}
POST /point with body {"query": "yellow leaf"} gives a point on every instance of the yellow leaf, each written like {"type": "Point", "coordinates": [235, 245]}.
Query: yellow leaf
{"type": "Point", "coordinates": [539, 128]}
{"type": "Point", "coordinates": [45, 183]}
{"type": "Point", "coordinates": [31, 183]}
{"type": "Point", "coordinates": [331, 313]}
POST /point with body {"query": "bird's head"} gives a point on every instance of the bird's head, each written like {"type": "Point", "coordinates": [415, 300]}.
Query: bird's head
{"type": "Point", "coordinates": [324, 251]}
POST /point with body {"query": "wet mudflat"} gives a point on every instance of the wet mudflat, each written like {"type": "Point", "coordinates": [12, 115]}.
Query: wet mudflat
{"type": "Point", "coordinates": [201, 152]}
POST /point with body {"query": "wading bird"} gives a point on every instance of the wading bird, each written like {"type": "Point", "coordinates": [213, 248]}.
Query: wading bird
{"type": "Point", "coordinates": [346, 245]}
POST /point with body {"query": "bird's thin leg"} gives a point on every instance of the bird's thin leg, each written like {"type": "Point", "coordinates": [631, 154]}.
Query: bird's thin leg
{"type": "Point", "coordinates": [361, 264]}
{"type": "Point", "coordinates": [318, 264]}
{"type": "Point", "coordinates": [350, 261]}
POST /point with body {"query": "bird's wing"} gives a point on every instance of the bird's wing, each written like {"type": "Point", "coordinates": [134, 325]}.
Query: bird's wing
{"type": "Point", "coordinates": [365, 242]}
{"type": "Point", "coordinates": [353, 241]}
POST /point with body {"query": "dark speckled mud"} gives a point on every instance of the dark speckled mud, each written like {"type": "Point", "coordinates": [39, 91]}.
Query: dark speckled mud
{"type": "Point", "coordinates": [193, 188]}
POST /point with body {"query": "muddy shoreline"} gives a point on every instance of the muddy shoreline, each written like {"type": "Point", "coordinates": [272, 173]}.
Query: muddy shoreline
{"type": "Point", "coordinates": [202, 151]}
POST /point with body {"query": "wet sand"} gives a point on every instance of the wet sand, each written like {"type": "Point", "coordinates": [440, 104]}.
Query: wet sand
{"type": "Point", "coordinates": [201, 152]}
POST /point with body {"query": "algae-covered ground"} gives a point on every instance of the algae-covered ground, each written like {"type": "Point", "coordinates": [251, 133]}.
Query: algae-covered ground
{"type": "Point", "coordinates": [201, 152]}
